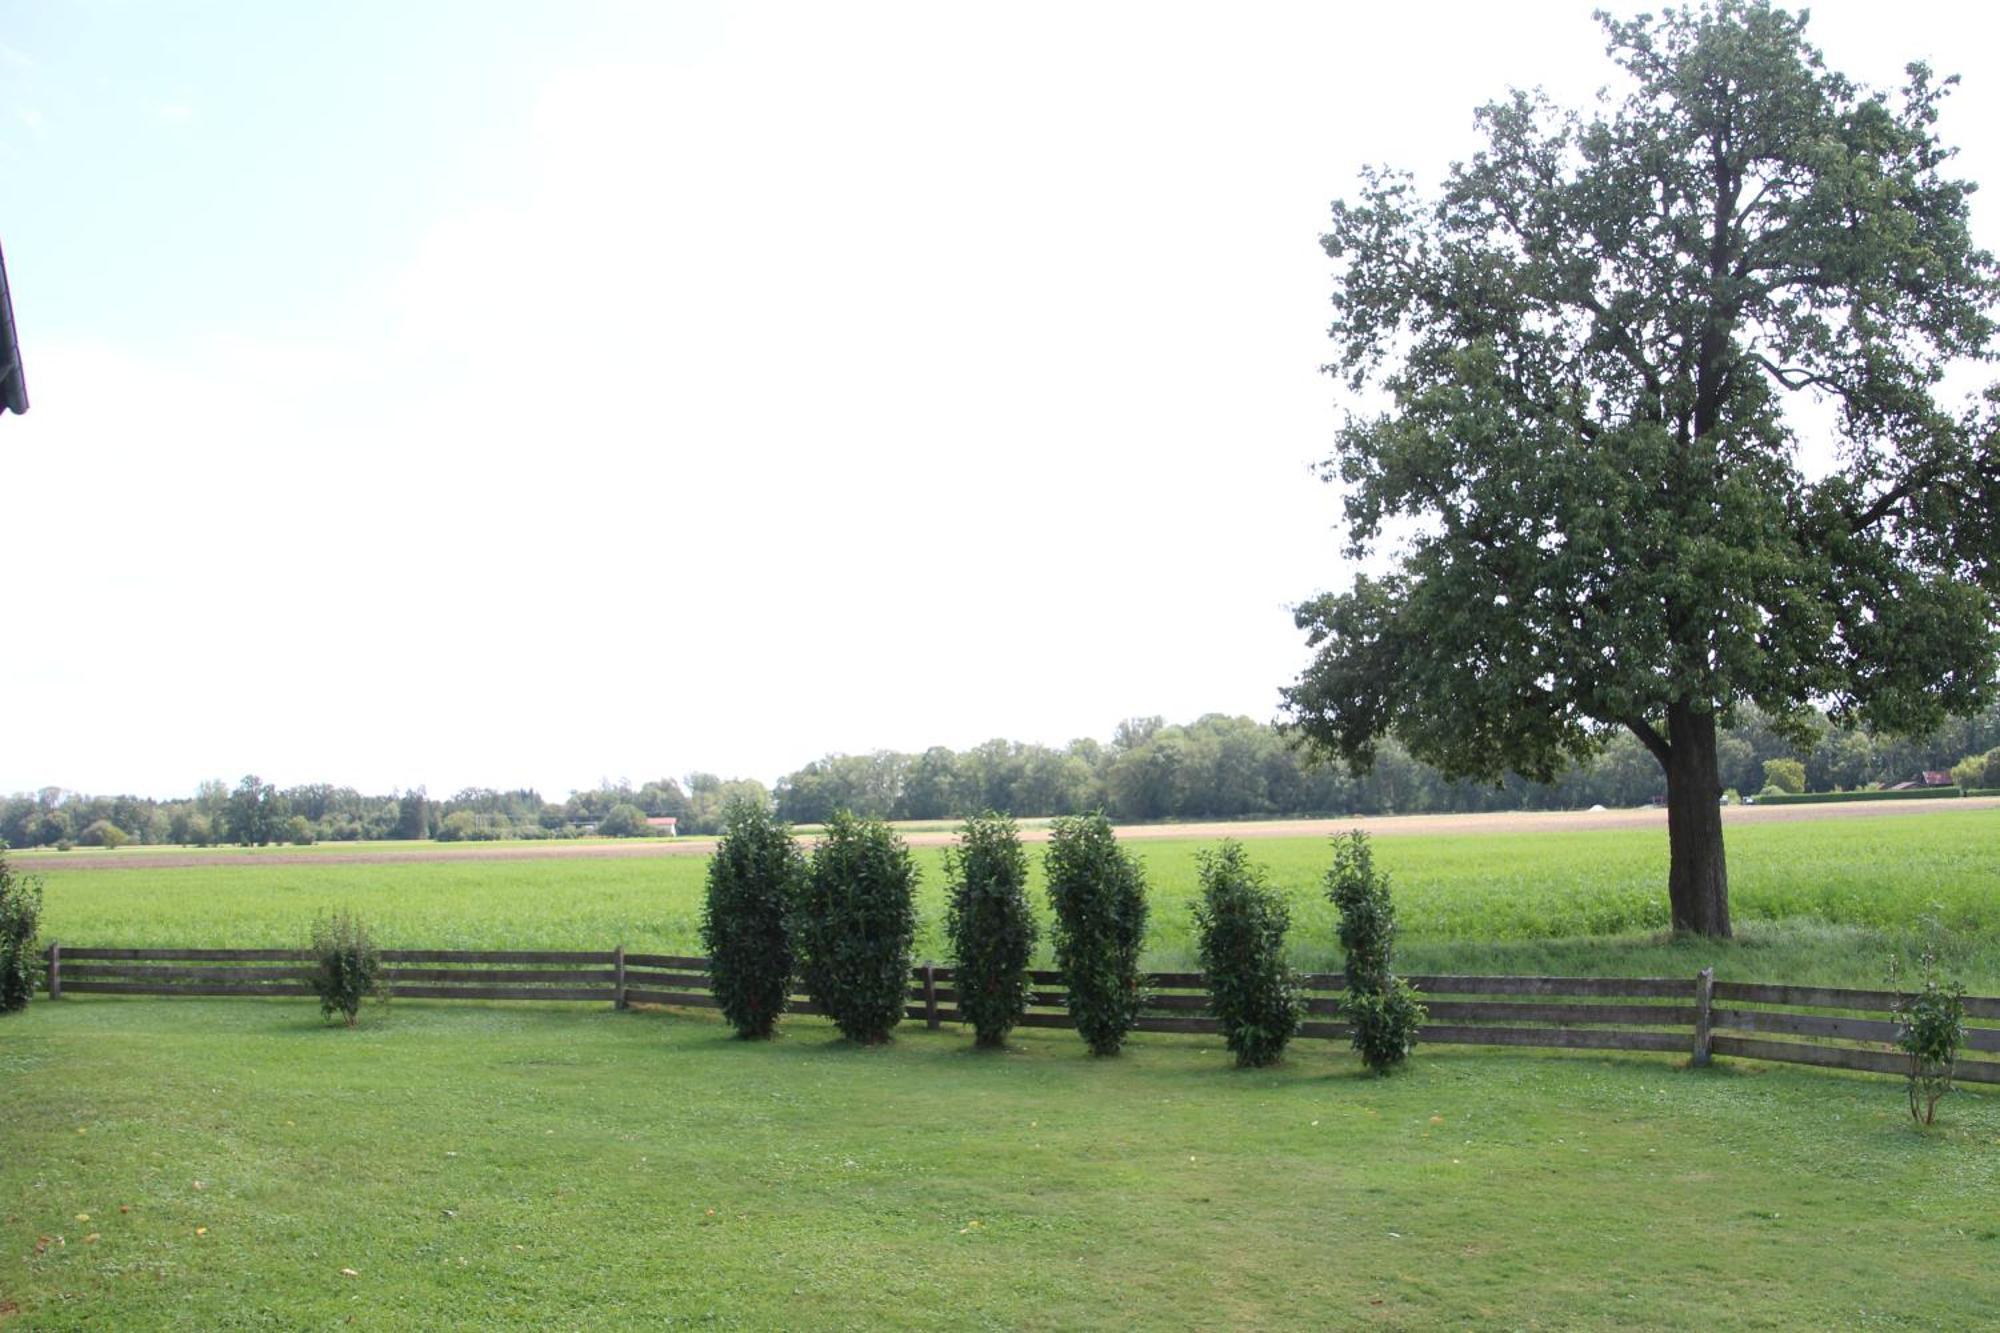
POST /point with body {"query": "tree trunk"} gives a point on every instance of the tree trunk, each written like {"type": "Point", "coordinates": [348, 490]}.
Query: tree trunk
{"type": "Point", "coordinates": [1697, 876]}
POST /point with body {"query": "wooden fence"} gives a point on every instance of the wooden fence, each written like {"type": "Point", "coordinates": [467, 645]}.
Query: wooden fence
{"type": "Point", "coordinates": [418, 974]}
{"type": "Point", "coordinates": [1697, 1016]}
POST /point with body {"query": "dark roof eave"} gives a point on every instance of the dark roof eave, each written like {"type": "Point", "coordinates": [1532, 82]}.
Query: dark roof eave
{"type": "Point", "coordinates": [13, 381]}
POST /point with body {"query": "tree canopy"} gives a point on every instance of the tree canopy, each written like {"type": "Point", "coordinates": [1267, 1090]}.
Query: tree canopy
{"type": "Point", "coordinates": [1610, 512]}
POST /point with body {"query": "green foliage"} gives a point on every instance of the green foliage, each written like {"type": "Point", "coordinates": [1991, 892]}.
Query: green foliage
{"type": "Point", "coordinates": [754, 878]}
{"type": "Point", "coordinates": [624, 821]}
{"type": "Point", "coordinates": [20, 921]}
{"type": "Point", "coordinates": [1240, 923]}
{"type": "Point", "coordinates": [1787, 775]}
{"type": "Point", "coordinates": [298, 831]}
{"type": "Point", "coordinates": [708, 796]}
{"type": "Point", "coordinates": [1930, 1026]}
{"type": "Point", "coordinates": [188, 827]}
{"type": "Point", "coordinates": [412, 816]}
{"type": "Point", "coordinates": [461, 826]}
{"type": "Point", "coordinates": [1978, 771]}
{"type": "Point", "coordinates": [1386, 1024]}
{"type": "Point", "coordinates": [1098, 894]}
{"type": "Point", "coordinates": [1587, 342]}
{"type": "Point", "coordinates": [346, 965]}
{"type": "Point", "coordinates": [990, 925]}
{"type": "Point", "coordinates": [1380, 1004]}
{"type": "Point", "coordinates": [256, 813]}
{"type": "Point", "coordinates": [103, 833]}
{"type": "Point", "coordinates": [854, 924]}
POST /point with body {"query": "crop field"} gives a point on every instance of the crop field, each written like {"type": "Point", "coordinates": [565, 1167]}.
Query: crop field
{"type": "Point", "coordinates": [237, 1164]}
{"type": "Point", "coordinates": [1818, 901]}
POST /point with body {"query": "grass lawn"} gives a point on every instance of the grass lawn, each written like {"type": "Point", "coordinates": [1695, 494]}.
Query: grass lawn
{"type": "Point", "coordinates": [218, 1164]}
{"type": "Point", "coordinates": [1816, 902]}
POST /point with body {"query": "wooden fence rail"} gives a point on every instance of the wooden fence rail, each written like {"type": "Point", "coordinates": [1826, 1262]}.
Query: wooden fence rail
{"type": "Point", "coordinates": [1695, 1015]}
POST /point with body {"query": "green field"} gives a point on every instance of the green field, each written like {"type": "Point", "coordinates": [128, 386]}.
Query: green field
{"type": "Point", "coordinates": [1816, 901]}
{"type": "Point", "coordinates": [219, 1163]}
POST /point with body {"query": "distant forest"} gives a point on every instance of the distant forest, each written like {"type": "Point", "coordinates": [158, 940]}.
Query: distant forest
{"type": "Point", "coordinates": [1216, 767]}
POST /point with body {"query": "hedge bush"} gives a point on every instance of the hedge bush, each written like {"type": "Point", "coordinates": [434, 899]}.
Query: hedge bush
{"type": "Point", "coordinates": [347, 967]}
{"type": "Point", "coordinates": [855, 922]}
{"type": "Point", "coordinates": [1824, 797]}
{"type": "Point", "coordinates": [990, 925]}
{"type": "Point", "coordinates": [20, 922]}
{"type": "Point", "coordinates": [1380, 1004]}
{"type": "Point", "coordinates": [754, 878]}
{"type": "Point", "coordinates": [1240, 923]}
{"type": "Point", "coordinates": [1099, 896]}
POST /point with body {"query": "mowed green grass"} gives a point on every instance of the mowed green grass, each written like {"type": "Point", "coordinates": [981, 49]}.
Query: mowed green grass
{"type": "Point", "coordinates": [1815, 901]}
{"type": "Point", "coordinates": [218, 1164]}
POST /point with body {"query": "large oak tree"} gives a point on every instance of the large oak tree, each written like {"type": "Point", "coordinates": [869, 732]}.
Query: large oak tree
{"type": "Point", "coordinates": [1664, 427]}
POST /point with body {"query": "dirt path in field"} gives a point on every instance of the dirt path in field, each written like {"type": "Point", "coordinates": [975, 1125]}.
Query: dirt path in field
{"type": "Point", "coordinates": [1388, 826]}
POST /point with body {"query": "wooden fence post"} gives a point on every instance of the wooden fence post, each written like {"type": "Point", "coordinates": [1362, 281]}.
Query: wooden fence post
{"type": "Point", "coordinates": [55, 970]}
{"type": "Point", "coordinates": [930, 997]}
{"type": "Point", "coordinates": [1704, 998]}
{"type": "Point", "coordinates": [618, 978]}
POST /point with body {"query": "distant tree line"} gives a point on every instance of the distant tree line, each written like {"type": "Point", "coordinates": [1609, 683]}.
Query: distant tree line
{"type": "Point", "coordinates": [1216, 767]}
{"type": "Point", "coordinates": [257, 813]}
{"type": "Point", "coordinates": [1221, 767]}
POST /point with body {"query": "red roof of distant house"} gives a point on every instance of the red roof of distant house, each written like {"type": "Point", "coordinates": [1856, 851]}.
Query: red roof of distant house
{"type": "Point", "coordinates": [668, 822]}
{"type": "Point", "coordinates": [1934, 778]}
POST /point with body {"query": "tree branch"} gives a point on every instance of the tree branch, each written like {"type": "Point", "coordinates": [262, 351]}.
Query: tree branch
{"type": "Point", "coordinates": [1794, 377]}
{"type": "Point", "coordinates": [1886, 503]}
{"type": "Point", "coordinates": [1650, 738]}
{"type": "Point", "coordinates": [1621, 341]}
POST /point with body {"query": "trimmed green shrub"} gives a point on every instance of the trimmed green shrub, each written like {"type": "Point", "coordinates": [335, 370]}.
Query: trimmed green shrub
{"type": "Point", "coordinates": [755, 876]}
{"type": "Point", "coordinates": [346, 965]}
{"type": "Point", "coordinates": [1380, 1004]}
{"type": "Point", "coordinates": [1930, 1025]}
{"type": "Point", "coordinates": [990, 925]}
{"type": "Point", "coordinates": [855, 922]}
{"type": "Point", "coordinates": [20, 922]}
{"type": "Point", "coordinates": [1099, 896]}
{"type": "Point", "coordinates": [1241, 926]}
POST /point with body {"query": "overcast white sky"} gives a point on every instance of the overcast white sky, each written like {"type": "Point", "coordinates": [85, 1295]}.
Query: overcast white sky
{"type": "Point", "coordinates": [460, 394]}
